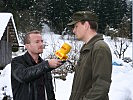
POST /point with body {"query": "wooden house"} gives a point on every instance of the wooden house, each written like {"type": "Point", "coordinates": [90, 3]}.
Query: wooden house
{"type": "Point", "coordinates": [8, 38]}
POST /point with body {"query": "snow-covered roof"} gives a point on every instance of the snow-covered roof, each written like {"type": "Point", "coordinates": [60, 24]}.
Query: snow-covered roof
{"type": "Point", "coordinates": [4, 19]}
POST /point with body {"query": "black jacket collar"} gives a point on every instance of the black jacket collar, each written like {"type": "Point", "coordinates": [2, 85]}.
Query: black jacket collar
{"type": "Point", "coordinates": [29, 60]}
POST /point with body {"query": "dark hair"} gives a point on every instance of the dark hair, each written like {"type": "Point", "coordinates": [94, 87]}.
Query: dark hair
{"type": "Point", "coordinates": [27, 36]}
{"type": "Point", "coordinates": [93, 24]}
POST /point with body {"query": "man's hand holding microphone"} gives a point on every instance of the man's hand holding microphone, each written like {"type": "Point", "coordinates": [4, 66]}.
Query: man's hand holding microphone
{"type": "Point", "coordinates": [61, 56]}
{"type": "Point", "coordinates": [55, 63]}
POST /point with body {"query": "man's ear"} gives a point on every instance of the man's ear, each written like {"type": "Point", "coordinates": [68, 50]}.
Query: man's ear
{"type": "Point", "coordinates": [87, 25]}
{"type": "Point", "coordinates": [26, 46]}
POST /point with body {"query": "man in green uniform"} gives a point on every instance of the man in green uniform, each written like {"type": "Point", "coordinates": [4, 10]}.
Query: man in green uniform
{"type": "Point", "coordinates": [92, 77]}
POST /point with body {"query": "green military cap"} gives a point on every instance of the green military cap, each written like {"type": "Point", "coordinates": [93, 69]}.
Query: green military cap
{"type": "Point", "coordinates": [83, 16]}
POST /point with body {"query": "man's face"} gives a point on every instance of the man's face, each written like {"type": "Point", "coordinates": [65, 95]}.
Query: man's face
{"type": "Point", "coordinates": [36, 44]}
{"type": "Point", "coordinates": [79, 30]}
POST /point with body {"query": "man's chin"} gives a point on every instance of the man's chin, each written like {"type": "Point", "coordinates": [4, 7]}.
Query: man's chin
{"type": "Point", "coordinates": [78, 38]}
{"type": "Point", "coordinates": [40, 52]}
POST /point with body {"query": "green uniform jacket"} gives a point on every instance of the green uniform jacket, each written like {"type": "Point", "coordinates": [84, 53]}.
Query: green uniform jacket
{"type": "Point", "coordinates": [93, 72]}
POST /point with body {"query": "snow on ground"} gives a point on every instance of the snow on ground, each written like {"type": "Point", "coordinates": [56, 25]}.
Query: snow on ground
{"type": "Point", "coordinates": [5, 82]}
{"type": "Point", "coordinates": [121, 87]}
{"type": "Point", "coordinates": [63, 88]}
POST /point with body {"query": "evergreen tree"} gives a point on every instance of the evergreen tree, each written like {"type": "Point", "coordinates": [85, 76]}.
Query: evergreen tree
{"type": "Point", "coordinates": [30, 14]}
{"type": "Point", "coordinates": [109, 12]}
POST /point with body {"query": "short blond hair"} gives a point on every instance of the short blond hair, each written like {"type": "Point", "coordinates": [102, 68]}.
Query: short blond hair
{"type": "Point", "coordinates": [27, 36]}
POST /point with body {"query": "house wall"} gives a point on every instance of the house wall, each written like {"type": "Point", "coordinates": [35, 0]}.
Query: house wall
{"type": "Point", "coordinates": [5, 53]}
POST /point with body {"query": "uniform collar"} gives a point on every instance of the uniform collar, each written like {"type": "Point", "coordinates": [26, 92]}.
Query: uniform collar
{"type": "Point", "coordinates": [90, 44]}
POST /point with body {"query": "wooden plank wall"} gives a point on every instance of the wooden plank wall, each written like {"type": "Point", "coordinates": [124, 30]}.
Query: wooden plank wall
{"type": "Point", "coordinates": [5, 53]}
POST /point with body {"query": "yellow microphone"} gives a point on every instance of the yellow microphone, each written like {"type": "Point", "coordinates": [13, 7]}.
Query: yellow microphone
{"type": "Point", "coordinates": [63, 51]}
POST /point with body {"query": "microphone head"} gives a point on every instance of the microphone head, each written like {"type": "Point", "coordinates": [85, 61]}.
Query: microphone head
{"type": "Point", "coordinates": [63, 51]}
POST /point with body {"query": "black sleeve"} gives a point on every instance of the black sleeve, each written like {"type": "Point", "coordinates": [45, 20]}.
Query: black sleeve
{"type": "Point", "coordinates": [25, 74]}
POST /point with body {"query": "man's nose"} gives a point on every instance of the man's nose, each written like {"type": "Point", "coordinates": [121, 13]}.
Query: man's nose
{"type": "Point", "coordinates": [41, 43]}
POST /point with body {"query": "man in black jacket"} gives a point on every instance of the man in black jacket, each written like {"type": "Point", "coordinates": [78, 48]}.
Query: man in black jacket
{"type": "Point", "coordinates": [30, 75]}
